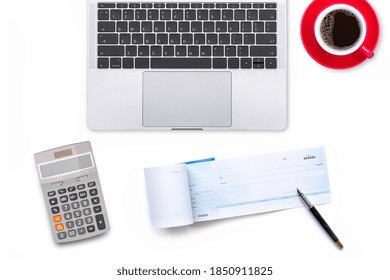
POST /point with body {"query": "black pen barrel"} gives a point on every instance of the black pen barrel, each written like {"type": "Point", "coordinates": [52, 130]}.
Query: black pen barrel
{"type": "Point", "coordinates": [324, 224]}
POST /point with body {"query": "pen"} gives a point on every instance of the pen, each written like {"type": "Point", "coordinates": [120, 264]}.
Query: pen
{"type": "Point", "coordinates": [319, 218]}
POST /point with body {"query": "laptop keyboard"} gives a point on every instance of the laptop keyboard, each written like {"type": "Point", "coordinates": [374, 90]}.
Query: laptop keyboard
{"type": "Point", "coordinates": [187, 35]}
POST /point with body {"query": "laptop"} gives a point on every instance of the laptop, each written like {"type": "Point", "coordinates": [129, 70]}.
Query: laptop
{"type": "Point", "coordinates": [188, 65]}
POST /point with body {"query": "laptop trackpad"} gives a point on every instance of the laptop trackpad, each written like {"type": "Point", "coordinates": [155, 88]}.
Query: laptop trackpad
{"type": "Point", "coordinates": [187, 99]}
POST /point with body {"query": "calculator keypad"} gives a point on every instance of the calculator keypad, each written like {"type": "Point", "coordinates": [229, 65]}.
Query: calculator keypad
{"type": "Point", "coordinates": [76, 211]}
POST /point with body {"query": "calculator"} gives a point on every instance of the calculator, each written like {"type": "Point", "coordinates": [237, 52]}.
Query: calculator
{"type": "Point", "coordinates": [72, 192]}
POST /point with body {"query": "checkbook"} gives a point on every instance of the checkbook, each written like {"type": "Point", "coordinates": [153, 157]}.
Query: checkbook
{"type": "Point", "coordinates": [185, 193]}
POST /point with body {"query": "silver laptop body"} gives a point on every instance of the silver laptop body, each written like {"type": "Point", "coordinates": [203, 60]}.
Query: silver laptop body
{"type": "Point", "coordinates": [196, 65]}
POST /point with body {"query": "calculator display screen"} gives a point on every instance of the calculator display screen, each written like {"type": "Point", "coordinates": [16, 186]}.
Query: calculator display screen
{"type": "Point", "coordinates": [66, 166]}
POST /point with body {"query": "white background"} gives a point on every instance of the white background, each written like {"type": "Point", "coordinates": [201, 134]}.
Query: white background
{"type": "Point", "coordinates": [347, 111]}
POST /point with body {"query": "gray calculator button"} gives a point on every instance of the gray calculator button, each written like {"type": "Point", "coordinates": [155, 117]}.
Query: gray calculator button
{"type": "Point", "coordinates": [95, 200]}
{"type": "Point", "coordinates": [81, 230]}
{"type": "Point", "coordinates": [87, 211]}
{"type": "Point", "coordinates": [52, 193]}
{"type": "Point", "coordinates": [61, 235]}
{"type": "Point", "coordinates": [100, 222]}
{"type": "Point", "coordinates": [55, 210]}
{"type": "Point", "coordinates": [91, 184]}
{"type": "Point", "coordinates": [62, 191]}
{"type": "Point", "coordinates": [72, 233]}
{"type": "Point", "coordinates": [71, 189]}
{"type": "Point", "coordinates": [69, 224]}
{"type": "Point", "coordinates": [81, 186]}
{"type": "Point", "coordinates": [68, 216]}
{"type": "Point", "coordinates": [66, 207]}
{"type": "Point", "coordinates": [53, 201]}
{"type": "Point", "coordinates": [73, 196]}
{"type": "Point", "coordinates": [75, 205]}
{"type": "Point", "coordinates": [93, 192]}
{"type": "Point", "coordinates": [88, 220]}
{"type": "Point", "coordinates": [64, 199]}
{"type": "Point", "coordinates": [97, 209]}
{"type": "Point", "coordinates": [79, 222]}
{"type": "Point", "coordinates": [83, 194]}
{"type": "Point", "coordinates": [77, 214]}
{"type": "Point", "coordinates": [84, 203]}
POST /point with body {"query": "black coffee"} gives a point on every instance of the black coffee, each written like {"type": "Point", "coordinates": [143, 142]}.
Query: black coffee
{"type": "Point", "coordinates": [340, 29]}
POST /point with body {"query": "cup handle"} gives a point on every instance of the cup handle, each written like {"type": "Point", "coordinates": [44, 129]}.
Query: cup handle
{"type": "Point", "coordinates": [367, 52]}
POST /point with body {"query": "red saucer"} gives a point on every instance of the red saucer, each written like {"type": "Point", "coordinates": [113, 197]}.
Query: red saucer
{"type": "Point", "coordinates": [330, 60]}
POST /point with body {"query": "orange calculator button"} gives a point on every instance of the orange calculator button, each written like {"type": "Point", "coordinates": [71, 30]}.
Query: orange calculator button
{"type": "Point", "coordinates": [59, 227]}
{"type": "Point", "coordinates": [57, 218]}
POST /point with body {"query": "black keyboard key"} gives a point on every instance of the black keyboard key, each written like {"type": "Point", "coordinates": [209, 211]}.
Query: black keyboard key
{"type": "Point", "coordinates": [234, 5]}
{"type": "Point", "coordinates": [174, 39]}
{"type": "Point", "coordinates": [249, 39]}
{"type": "Point", "coordinates": [134, 5]}
{"type": "Point", "coordinates": [177, 14]}
{"type": "Point", "coordinates": [107, 38]}
{"type": "Point", "coordinates": [124, 39]}
{"type": "Point", "coordinates": [134, 26]}
{"type": "Point", "coordinates": [199, 39]}
{"type": "Point", "coordinates": [242, 51]}
{"type": "Point", "coordinates": [208, 26]}
{"type": "Point", "coordinates": [181, 62]}
{"type": "Point", "coordinates": [137, 38]}
{"type": "Point", "coordinates": [215, 14]}
{"type": "Point", "coordinates": [252, 15]}
{"type": "Point", "coordinates": [271, 5]}
{"type": "Point", "coordinates": [202, 14]}
{"type": "Point", "coordinates": [103, 15]}
{"type": "Point", "coordinates": [159, 26]}
{"type": "Point", "coordinates": [128, 14]}
{"type": "Point", "coordinates": [205, 51]}
{"type": "Point", "coordinates": [168, 51]}
{"type": "Point", "coordinates": [131, 50]}
{"type": "Point", "coordinates": [196, 26]}
{"type": "Point", "coordinates": [236, 38]}
{"type": "Point", "coordinates": [246, 5]}
{"type": "Point", "coordinates": [270, 26]}
{"type": "Point", "coordinates": [106, 26]}
{"type": "Point", "coordinates": [171, 5]}
{"type": "Point", "coordinates": [227, 14]}
{"type": "Point", "coordinates": [221, 26]}
{"type": "Point", "coordinates": [181, 51]}
{"type": "Point", "coordinates": [193, 51]}
{"type": "Point", "coordinates": [143, 50]}
{"type": "Point", "coordinates": [162, 38]}
{"type": "Point", "coordinates": [149, 39]}
{"type": "Point", "coordinates": [208, 5]}
{"type": "Point", "coordinates": [115, 63]}
{"type": "Point", "coordinates": [246, 63]}
{"type": "Point", "coordinates": [233, 26]}
{"type": "Point", "coordinates": [224, 39]}
{"type": "Point", "coordinates": [100, 222]}
{"type": "Point", "coordinates": [106, 5]}
{"type": "Point", "coordinates": [218, 51]}
{"type": "Point", "coordinates": [190, 14]}
{"type": "Point", "coordinates": [156, 51]}
{"type": "Point", "coordinates": [262, 51]}
{"type": "Point", "coordinates": [152, 14]}
{"type": "Point", "coordinates": [230, 50]}
{"type": "Point", "coordinates": [211, 39]}
{"type": "Point", "coordinates": [196, 5]}
{"type": "Point", "coordinates": [111, 50]}
{"type": "Point", "coordinates": [141, 62]}
{"type": "Point", "coordinates": [159, 5]}
{"type": "Point", "coordinates": [121, 26]}
{"type": "Point", "coordinates": [187, 39]}
{"type": "Point", "coordinates": [116, 15]}
{"type": "Point", "coordinates": [239, 14]}
{"type": "Point", "coordinates": [121, 5]}
{"type": "Point", "coordinates": [233, 63]}
{"type": "Point", "coordinates": [258, 5]}
{"type": "Point", "coordinates": [270, 63]}
{"type": "Point", "coordinates": [146, 26]}
{"type": "Point", "coordinates": [258, 63]}
{"type": "Point", "coordinates": [147, 5]}
{"type": "Point", "coordinates": [258, 26]}
{"type": "Point", "coordinates": [267, 14]}
{"type": "Point", "coordinates": [221, 5]}
{"type": "Point", "coordinates": [184, 5]}
{"type": "Point", "coordinates": [140, 14]}
{"type": "Point", "coordinates": [171, 26]}
{"type": "Point", "coordinates": [165, 14]}
{"type": "Point", "coordinates": [184, 26]}
{"type": "Point", "coordinates": [265, 39]}
{"type": "Point", "coordinates": [246, 26]}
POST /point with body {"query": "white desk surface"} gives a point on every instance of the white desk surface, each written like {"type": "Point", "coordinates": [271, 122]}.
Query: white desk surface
{"type": "Point", "coordinates": [347, 111]}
